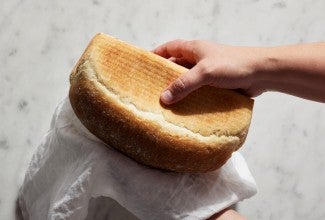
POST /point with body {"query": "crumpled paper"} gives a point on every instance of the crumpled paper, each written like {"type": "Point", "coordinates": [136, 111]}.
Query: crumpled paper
{"type": "Point", "coordinates": [71, 166]}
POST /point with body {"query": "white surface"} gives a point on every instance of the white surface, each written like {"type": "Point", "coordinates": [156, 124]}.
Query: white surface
{"type": "Point", "coordinates": [41, 40]}
{"type": "Point", "coordinates": [71, 166]}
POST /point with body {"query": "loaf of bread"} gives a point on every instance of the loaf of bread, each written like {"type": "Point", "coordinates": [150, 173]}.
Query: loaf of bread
{"type": "Point", "coordinates": [115, 90]}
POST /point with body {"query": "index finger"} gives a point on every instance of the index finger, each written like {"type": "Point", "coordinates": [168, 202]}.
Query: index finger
{"type": "Point", "coordinates": [177, 49]}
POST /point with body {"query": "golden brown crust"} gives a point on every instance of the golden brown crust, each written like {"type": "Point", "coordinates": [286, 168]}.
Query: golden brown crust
{"type": "Point", "coordinates": [120, 105]}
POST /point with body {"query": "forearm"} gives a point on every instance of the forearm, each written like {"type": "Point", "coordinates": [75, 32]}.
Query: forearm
{"type": "Point", "coordinates": [297, 69]}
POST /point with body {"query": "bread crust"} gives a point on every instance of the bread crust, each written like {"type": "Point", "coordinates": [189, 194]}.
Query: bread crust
{"type": "Point", "coordinates": [133, 129]}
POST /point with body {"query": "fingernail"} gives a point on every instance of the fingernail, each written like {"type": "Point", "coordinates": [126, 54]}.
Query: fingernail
{"type": "Point", "coordinates": [166, 96]}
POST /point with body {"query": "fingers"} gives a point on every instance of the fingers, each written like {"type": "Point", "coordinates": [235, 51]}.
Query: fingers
{"type": "Point", "coordinates": [184, 53]}
{"type": "Point", "coordinates": [181, 61]}
{"type": "Point", "coordinates": [177, 49]}
{"type": "Point", "coordinates": [184, 85]}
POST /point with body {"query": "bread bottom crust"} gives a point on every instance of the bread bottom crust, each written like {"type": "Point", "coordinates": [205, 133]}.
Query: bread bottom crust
{"type": "Point", "coordinates": [144, 140]}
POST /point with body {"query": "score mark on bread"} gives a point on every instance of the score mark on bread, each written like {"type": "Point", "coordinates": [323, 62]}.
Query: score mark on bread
{"type": "Point", "coordinates": [115, 90]}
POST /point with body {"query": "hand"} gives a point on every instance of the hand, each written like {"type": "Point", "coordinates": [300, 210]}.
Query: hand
{"type": "Point", "coordinates": [227, 214]}
{"type": "Point", "coordinates": [295, 69]}
{"type": "Point", "coordinates": [211, 64]}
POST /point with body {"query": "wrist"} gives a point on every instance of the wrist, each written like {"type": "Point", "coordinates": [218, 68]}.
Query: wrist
{"type": "Point", "coordinates": [267, 64]}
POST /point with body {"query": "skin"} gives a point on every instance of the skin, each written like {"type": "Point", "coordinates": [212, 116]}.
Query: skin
{"type": "Point", "coordinates": [298, 70]}
{"type": "Point", "coordinates": [227, 214]}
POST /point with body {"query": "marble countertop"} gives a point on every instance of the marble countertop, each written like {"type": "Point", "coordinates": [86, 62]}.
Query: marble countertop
{"type": "Point", "coordinates": [41, 40]}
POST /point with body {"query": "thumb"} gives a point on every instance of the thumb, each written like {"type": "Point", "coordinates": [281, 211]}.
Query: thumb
{"type": "Point", "coordinates": [184, 85]}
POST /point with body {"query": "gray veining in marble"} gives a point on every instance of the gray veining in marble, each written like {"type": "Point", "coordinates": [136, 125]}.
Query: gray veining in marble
{"type": "Point", "coordinates": [41, 40]}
